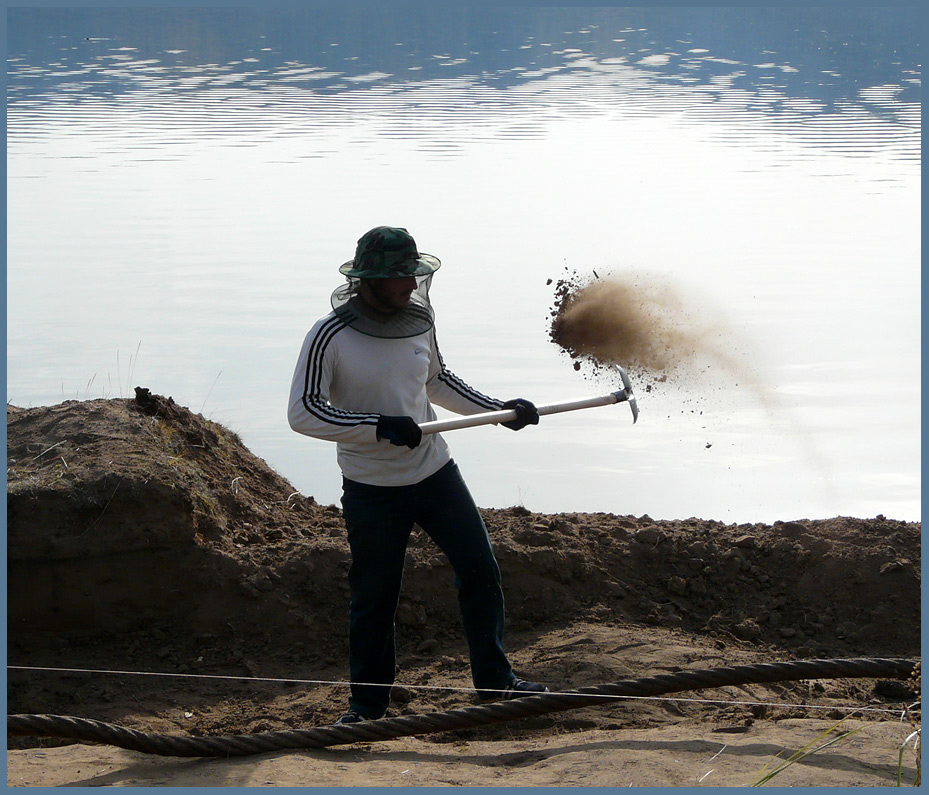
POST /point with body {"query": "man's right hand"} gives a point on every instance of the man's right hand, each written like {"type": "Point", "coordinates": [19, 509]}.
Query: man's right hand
{"type": "Point", "coordinates": [399, 430]}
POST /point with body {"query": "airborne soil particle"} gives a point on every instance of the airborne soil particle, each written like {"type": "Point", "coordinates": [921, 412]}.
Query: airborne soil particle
{"type": "Point", "coordinates": [144, 538]}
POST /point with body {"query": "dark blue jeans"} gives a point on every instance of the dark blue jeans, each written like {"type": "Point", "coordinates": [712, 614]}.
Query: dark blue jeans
{"type": "Point", "coordinates": [379, 520]}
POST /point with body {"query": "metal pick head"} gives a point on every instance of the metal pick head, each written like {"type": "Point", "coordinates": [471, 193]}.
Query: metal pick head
{"type": "Point", "coordinates": [627, 391]}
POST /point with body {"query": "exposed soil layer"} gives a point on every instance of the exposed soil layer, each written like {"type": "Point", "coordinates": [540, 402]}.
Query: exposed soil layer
{"type": "Point", "coordinates": [144, 539]}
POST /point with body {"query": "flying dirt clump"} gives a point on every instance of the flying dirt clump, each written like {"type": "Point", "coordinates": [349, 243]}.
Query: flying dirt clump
{"type": "Point", "coordinates": [639, 323]}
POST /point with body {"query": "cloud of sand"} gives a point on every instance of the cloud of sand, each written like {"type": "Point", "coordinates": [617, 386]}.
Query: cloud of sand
{"type": "Point", "coordinates": [663, 338]}
{"type": "Point", "coordinates": [643, 325]}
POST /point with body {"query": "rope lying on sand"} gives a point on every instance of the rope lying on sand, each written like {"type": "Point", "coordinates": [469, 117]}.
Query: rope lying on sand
{"type": "Point", "coordinates": [467, 717]}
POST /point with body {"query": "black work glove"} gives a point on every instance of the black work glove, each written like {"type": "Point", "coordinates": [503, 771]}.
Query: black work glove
{"type": "Point", "coordinates": [399, 430]}
{"type": "Point", "coordinates": [526, 414]}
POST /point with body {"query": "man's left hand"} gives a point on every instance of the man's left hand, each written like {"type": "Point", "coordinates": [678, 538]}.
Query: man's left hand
{"type": "Point", "coordinates": [526, 414]}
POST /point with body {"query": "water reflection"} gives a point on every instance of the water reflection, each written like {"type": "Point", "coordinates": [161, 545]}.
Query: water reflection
{"type": "Point", "coordinates": [191, 177]}
{"type": "Point", "coordinates": [460, 73]}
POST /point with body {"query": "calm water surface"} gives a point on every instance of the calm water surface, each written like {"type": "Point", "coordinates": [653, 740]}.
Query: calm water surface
{"type": "Point", "coordinates": [183, 184]}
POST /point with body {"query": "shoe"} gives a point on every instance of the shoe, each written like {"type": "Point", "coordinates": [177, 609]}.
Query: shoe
{"type": "Point", "coordinates": [518, 688]}
{"type": "Point", "coordinates": [349, 717]}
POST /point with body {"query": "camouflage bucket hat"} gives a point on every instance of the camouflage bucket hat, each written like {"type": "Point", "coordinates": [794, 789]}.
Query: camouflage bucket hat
{"type": "Point", "coordinates": [387, 252]}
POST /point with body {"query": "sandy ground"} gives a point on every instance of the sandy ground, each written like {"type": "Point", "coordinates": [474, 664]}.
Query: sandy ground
{"type": "Point", "coordinates": [164, 579]}
{"type": "Point", "coordinates": [670, 756]}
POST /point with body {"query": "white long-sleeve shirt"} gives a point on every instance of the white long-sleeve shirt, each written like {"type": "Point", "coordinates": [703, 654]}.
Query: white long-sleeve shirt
{"type": "Point", "coordinates": [345, 379]}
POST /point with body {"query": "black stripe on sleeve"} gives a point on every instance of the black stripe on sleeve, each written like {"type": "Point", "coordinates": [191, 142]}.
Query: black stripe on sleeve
{"type": "Point", "coordinates": [313, 401]}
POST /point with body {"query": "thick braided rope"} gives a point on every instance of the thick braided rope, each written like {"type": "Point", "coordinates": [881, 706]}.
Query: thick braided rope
{"type": "Point", "coordinates": [467, 717]}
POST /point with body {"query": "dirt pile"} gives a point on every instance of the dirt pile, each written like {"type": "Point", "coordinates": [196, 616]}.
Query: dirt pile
{"type": "Point", "coordinates": [122, 511]}
{"type": "Point", "coordinates": [144, 538]}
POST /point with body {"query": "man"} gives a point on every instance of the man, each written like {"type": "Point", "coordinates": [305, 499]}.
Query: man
{"type": "Point", "coordinates": [368, 373]}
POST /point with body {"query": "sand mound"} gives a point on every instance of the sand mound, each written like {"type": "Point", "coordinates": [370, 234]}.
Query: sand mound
{"type": "Point", "coordinates": [144, 538]}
